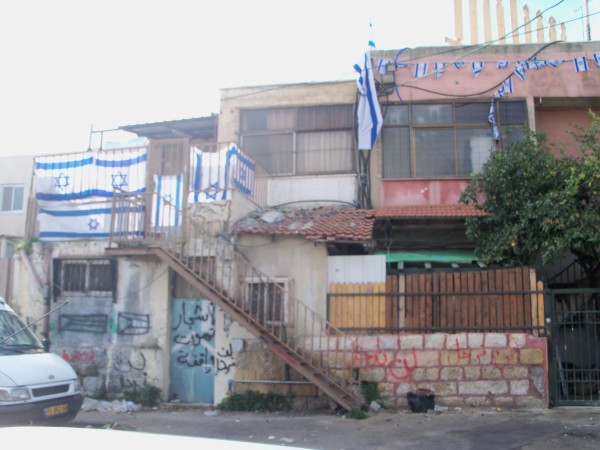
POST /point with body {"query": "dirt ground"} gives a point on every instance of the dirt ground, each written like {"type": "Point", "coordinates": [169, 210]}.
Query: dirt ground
{"type": "Point", "coordinates": [490, 429]}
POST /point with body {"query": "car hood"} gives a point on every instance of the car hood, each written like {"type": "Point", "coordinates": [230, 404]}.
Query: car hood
{"type": "Point", "coordinates": [34, 368]}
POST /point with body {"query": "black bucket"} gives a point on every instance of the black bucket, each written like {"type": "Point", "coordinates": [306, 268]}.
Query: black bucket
{"type": "Point", "coordinates": [422, 401]}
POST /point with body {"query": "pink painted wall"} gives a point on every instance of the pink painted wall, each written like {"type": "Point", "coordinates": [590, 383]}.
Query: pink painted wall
{"type": "Point", "coordinates": [562, 81]}
{"type": "Point", "coordinates": [558, 124]}
{"type": "Point", "coordinates": [422, 192]}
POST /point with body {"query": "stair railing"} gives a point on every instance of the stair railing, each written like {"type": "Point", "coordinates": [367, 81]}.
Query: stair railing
{"type": "Point", "coordinates": [265, 302]}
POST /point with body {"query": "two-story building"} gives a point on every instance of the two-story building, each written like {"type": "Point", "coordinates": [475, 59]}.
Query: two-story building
{"type": "Point", "coordinates": [263, 250]}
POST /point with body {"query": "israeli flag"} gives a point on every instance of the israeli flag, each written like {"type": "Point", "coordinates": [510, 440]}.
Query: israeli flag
{"type": "Point", "coordinates": [597, 59]}
{"type": "Point", "coordinates": [503, 64]}
{"type": "Point", "coordinates": [459, 64]}
{"type": "Point", "coordinates": [241, 169]}
{"type": "Point", "coordinates": [369, 119]}
{"type": "Point", "coordinates": [477, 68]}
{"type": "Point", "coordinates": [439, 69]}
{"type": "Point", "coordinates": [124, 170]}
{"type": "Point", "coordinates": [520, 70]}
{"type": "Point", "coordinates": [420, 70]}
{"type": "Point", "coordinates": [580, 64]}
{"type": "Point", "coordinates": [505, 88]}
{"type": "Point", "coordinates": [382, 66]}
{"type": "Point", "coordinates": [167, 203]}
{"type": "Point", "coordinates": [492, 120]}
{"type": "Point", "coordinates": [554, 62]}
{"type": "Point", "coordinates": [535, 64]}
{"type": "Point", "coordinates": [64, 177]}
{"type": "Point", "coordinates": [74, 221]}
{"type": "Point", "coordinates": [215, 174]}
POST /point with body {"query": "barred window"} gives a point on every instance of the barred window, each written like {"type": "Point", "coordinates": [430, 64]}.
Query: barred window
{"type": "Point", "coordinates": [95, 277]}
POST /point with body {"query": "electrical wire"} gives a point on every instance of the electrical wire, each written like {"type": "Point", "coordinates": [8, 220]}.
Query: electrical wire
{"type": "Point", "coordinates": [495, 86]}
{"type": "Point", "coordinates": [481, 46]}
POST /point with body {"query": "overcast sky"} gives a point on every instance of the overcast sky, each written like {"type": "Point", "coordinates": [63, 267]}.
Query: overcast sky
{"type": "Point", "coordinates": [66, 65]}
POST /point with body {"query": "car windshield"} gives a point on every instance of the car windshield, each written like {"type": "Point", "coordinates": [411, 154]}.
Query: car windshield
{"type": "Point", "coordinates": [14, 337]}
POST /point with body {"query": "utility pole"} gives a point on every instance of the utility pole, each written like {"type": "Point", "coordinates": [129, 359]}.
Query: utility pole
{"type": "Point", "coordinates": [587, 20]}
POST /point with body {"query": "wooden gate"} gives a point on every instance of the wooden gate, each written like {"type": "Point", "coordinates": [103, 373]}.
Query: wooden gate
{"type": "Point", "coordinates": [486, 300]}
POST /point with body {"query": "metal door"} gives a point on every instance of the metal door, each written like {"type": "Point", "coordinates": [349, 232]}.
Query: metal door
{"type": "Point", "coordinates": [192, 351]}
{"type": "Point", "coordinates": [574, 346]}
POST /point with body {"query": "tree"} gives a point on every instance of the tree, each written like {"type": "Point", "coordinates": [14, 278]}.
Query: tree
{"type": "Point", "coordinates": [539, 205]}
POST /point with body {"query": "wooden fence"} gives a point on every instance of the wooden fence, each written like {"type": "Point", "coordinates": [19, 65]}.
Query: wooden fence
{"type": "Point", "coordinates": [486, 300]}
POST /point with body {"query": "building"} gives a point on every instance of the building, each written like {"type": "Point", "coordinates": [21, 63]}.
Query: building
{"type": "Point", "coordinates": [269, 253]}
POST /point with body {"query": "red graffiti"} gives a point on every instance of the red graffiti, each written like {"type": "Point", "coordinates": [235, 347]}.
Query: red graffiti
{"type": "Point", "coordinates": [77, 356]}
{"type": "Point", "coordinates": [405, 372]}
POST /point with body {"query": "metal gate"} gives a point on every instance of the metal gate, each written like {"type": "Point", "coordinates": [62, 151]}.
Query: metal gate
{"type": "Point", "coordinates": [573, 321]}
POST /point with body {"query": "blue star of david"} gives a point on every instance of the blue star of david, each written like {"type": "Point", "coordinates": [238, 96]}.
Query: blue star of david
{"type": "Point", "coordinates": [93, 224]}
{"type": "Point", "coordinates": [213, 195]}
{"type": "Point", "coordinates": [242, 174]}
{"type": "Point", "coordinates": [119, 180]}
{"type": "Point", "coordinates": [61, 181]}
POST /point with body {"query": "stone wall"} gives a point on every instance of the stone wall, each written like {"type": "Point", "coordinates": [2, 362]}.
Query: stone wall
{"type": "Point", "coordinates": [466, 369]}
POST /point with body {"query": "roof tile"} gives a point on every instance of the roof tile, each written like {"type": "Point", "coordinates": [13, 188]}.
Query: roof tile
{"type": "Point", "coordinates": [328, 223]}
{"type": "Point", "coordinates": [430, 211]}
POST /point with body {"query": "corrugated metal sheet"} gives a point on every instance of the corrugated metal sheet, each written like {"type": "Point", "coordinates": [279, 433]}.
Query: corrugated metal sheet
{"type": "Point", "coordinates": [356, 269]}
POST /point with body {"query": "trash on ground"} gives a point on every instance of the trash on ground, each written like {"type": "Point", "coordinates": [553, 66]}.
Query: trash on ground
{"type": "Point", "coordinates": [118, 406]}
{"type": "Point", "coordinates": [374, 406]}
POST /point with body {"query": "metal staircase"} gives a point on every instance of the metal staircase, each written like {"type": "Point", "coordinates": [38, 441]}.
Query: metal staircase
{"type": "Point", "coordinates": [209, 262]}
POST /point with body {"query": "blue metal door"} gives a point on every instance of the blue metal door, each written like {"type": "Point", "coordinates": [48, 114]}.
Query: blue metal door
{"type": "Point", "coordinates": [192, 351]}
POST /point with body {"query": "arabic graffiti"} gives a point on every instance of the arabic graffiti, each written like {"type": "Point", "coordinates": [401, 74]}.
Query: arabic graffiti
{"type": "Point", "coordinates": [225, 359]}
{"type": "Point", "coordinates": [132, 323]}
{"type": "Point", "coordinates": [82, 356]}
{"type": "Point", "coordinates": [132, 370]}
{"type": "Point", "coordinates": [194, 335]}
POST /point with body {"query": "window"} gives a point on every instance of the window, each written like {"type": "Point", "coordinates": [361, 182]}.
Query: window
{"type": "Point", "coordinates": [12, 197]}
{"type": "Point", "coordinates": [446, 139]}
{"type": "Point", "coordinates": [267, 299]}
{"type": "Point", "coordinates": [96, 277]}
{"type": "Point", "coordinates": [300, 141]}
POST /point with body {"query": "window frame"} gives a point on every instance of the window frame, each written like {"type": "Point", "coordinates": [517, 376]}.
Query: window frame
{"type": "Point", "coordinates": [13, 187]}
{"type": "Point", "coordinates": [294, 122]}
{"type": "Point", "coordinates": [284, 282]}
{"type": "Point", "coordinates": [60, 285]}
{"type": "Point", "coordinates": [454, 126]}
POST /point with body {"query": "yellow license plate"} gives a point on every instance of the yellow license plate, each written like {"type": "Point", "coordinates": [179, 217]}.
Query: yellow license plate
{"type": "Point", "coordinates": [56, 410]}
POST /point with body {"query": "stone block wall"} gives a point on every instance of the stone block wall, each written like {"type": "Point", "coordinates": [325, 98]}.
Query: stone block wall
{"type": "Point", "coordinates": [466, 369]}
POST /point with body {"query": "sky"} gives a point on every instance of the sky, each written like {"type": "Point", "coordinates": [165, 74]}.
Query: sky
{"type": "Point", "coordinates": [70, 66]}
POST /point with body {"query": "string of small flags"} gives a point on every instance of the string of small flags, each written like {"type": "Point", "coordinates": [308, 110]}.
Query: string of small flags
{"type": "Point", "coordinates": [420, 70]}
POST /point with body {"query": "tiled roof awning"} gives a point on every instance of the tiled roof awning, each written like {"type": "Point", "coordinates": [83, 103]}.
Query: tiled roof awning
{"type": "Point", "coordinates": [328, 223]}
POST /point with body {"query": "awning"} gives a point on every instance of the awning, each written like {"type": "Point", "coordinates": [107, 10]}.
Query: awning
{"type": "Point", "coordinates": [446, 256]}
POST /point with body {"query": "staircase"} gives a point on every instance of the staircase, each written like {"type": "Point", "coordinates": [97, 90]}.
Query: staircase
{"type": "Point", "coordinates": [209, 262]}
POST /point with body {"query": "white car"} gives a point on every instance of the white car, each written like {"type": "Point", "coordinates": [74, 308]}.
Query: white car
{"type": "Point", "coordinates": [35, 386]}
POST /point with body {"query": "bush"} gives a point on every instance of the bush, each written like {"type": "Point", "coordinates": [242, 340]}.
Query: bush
{"type": "Point", "coordinates": [370, 391]}
{"type": "Point", "coordinates": [356, 413]}
{"type": "Point", "coordinates": [255, 401]}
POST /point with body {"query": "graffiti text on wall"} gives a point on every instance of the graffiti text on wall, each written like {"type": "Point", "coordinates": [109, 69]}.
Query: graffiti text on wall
{"type": "Point", "coordinates": [194, 335]}
{"type": "Point", "coordinates": [225, 359]}
{"type": "Point", "coordinates": [132, 369]}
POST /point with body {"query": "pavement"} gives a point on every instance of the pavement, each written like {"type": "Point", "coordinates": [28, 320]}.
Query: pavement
{"type": "Point", "coordinates": [457, 429]}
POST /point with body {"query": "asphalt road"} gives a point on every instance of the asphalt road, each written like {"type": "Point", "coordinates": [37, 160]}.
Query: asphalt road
{"type": "Point", "coordinates": [490, 429]}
